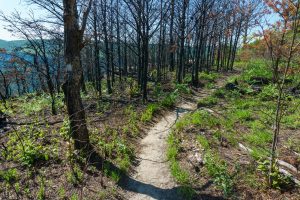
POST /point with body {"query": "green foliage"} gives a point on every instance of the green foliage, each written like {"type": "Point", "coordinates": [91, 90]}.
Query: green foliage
{"type": "Point", "coordinates": [203, 141]}
{"type": "Point", "coordinates": [133, 89]}
{"type": "Point", "coordinates": [124, 162]}
{"type": "Point", "coordinates": [279, 181]}
{"type": "Point", "coordinates": [291, 117]}
{"type": "Point", "coordinates": [209, 77]}
{"type": "Point", "coordinates": [157, 90]}
{"type": "Point", "coordinates": [26, 146]}
{"type": "Point", "coordinates": [115, 175]}
{"type": "Point", "coordinates": [268, 92]}
{"type": "Point", "coordinates": [102, 106]}
{"type": "Point", "coordinates": [242, 115]}
{"type": "Point", "coordinates": [32, 154]}
{"type": "Point", "coordinates": [64, 131]}
{"type": "Point", "coordinates": [256, 68]}
{"type": "Point", "coordinates": [259, 153]}
{"type": "Point", "coordinates": [147, 115]}
{"type": "Point", "coordinates": [219, 93]}
{"type": "Point", "coordinates": [187, 79]}
{"type": "Point", "coordinates": [170, 100]}
{"type": "Point", "coordinates": [200, 118]}
{"type": "Point", "coordinates": [10, 176]}
{"type": "Point", "coordinates": [132, 125]}
{"type": "Point", "coordinates": [180, 175]}
{"type": "Point", "coordinates": [173, 143]}
{"type": "Point", "coordinates": [74, 196]}
{"type": "Point", "coordinates": [62, 193]}
{"type": "Point", "coordinates": [114, 147]}
{"type": "Point", "coordinates": [41, 191]}
{"type": "Point", "coordinates": [259, 137]}
{"type": "Point", "coordinates": [207, 102]}
{"type": "Point", "coordinates": [75, 175]}
{"type": "Point", "coordinates": [33, 104]}
{"type": "Point", "coordinates": [218, 170]}
{"type": "Point", "coordinates": [183, 88]}
{"type": "Point", "coordinates": [293, 143]}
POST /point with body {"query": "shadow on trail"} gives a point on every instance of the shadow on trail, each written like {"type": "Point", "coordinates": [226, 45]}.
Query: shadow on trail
{"type": "Point", "coordinates": [129, 184]}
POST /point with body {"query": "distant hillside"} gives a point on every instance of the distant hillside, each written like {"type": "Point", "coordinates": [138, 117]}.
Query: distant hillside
{"type": "Point", "coordinates": [9, 45]}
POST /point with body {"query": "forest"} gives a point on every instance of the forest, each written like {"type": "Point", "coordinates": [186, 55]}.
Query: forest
{"type": "Point", "coordinates": [150, 99]}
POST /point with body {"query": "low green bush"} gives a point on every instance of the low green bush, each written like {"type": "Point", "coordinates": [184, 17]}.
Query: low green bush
{"type": "Point", "coordinates": [256, 68]}
{"type": "Point", "coordinates": [210, 77]}
{"type": "Point", "coordinates": [147, 115]}
{"type": "Point", "coordinates": [207, 102]}
{"type": "Point", "coordinates": [169, 101]}
{"type": "Point", "coordinates": [218, 170]}
{"type": "Point", "coordinates": [268, 92]}
{"type": "Point", "coordinates": [280, 181]}
{"type": "Point", "coordinates": [9, 176]}
{"type": "Point", "coordinates": [183, 88]}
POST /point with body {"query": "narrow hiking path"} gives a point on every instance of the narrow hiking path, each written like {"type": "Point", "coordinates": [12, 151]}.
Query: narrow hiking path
{"type": "Point", "coordinates": [152, 178]}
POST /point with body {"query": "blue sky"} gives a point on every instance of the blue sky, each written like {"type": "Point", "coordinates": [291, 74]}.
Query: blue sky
{"type": "Point", "coordinates": [9, 6]}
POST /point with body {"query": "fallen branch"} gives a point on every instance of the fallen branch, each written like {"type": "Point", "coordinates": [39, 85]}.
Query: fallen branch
{"type": "Point", "coordinates": [245, 148]}
{"type": "Point", "coordinates": [283, 171]}
{"type": "Point", "coordinates": [287, 165]}
{"type": "Point", "coordinates": [280, 162]}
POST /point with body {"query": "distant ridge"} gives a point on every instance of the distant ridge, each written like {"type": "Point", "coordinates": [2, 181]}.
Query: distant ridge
{"type": "Point", "coordinates": [9, 45]}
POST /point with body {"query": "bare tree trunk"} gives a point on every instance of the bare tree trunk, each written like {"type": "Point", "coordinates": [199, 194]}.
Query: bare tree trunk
{"type": "Point", "coordinates": [73, 36]}
{"type": "Point", "coordinates": [182, 41]}
{"type": "Point", "coordinates": [172, 56]}
{"type": "Point", "coordinates": [96, 51]}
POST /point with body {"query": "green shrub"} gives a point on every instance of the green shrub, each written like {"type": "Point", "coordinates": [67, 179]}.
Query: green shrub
{"type": "Point", "coordinates": [132, 125]}
{"type": "Point", "coordinates": [242, 115]}
{"type": "Point", "coordinates": [32, 154]}
{"type": "Point", "coordinates": [9, 176]}
{"type": "Point", "coordinates": [207, 102]}
{"type": "Point", "coordinates": [26, 146]}
{"type": "Point", "coordinates": [75, 175]}
{"type": "Point", "coordinates": [64, 131]}
{"type": "Point", "coordinates": [257, 68]}
{"type": "Point", "coordinates": [200, 118]}
{"type": "Point", "coordinates": [62, 193]}
{"type": "Point", "coordinates": [187, 79]}
{"type": "Point", "coordinates": [133, 89]}
{"type": "Point", "coordinates": [203, 141]}
{"type": "Point", "coordinates": [210, 77]}
{"type": "Point", "coordinates": [42, 190]}
{"type": "Point", "coordinates": [292, 121]}
{"type": "Point", "coordinates": [268, 92]}
{"type": "Point", "coordinates": [170, 100]}
{"type": "Point", "coordinates": [115, 176]}
{"type": "Point", "coordinates": [218, 170]}
{"type": "Point", "coordinates": [259, 153]}
{"type": "Point", "coordinates": [147, 115]}
{"type": "Point", "coordinates": [219, 93]}
{"type": "Point", "coordinates": [280, 181]}
{"type": "Point", "coordinates": [183, 88]}
{"type": "Point", "coordinates": [74, 196]}
{"type": "Point", "coordinates": [259, 137]}
{"type": "Point", "coordinates": [157, 90]}
{"type": "Point", "coordinates": [33, 105]}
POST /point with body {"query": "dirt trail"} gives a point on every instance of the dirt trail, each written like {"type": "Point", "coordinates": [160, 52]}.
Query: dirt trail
{"type": "Point", "coordinates": [152, 178]}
